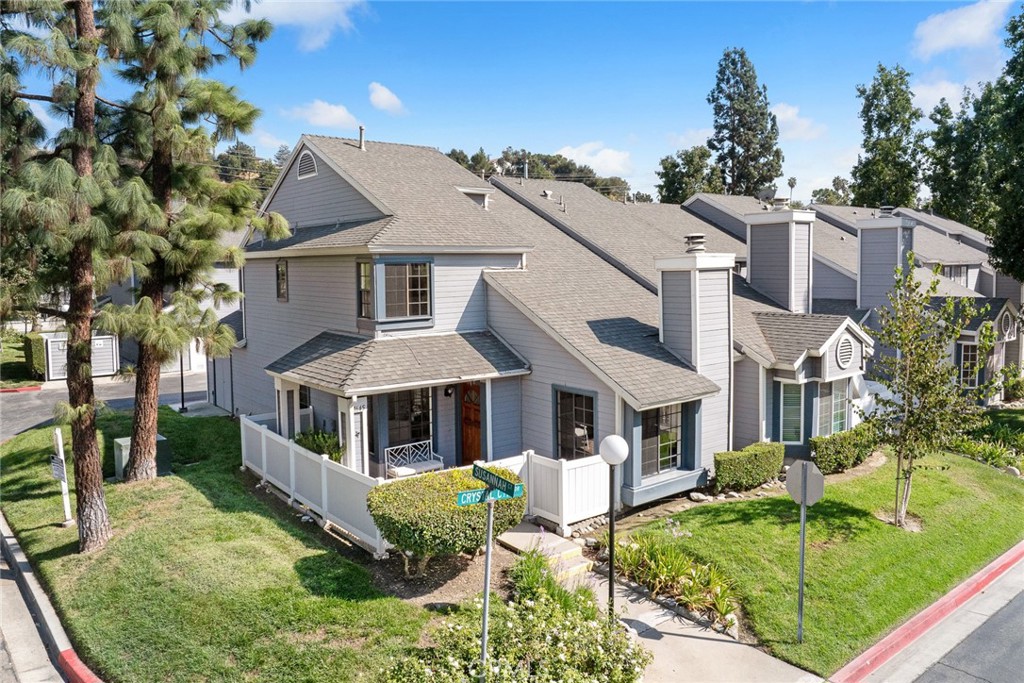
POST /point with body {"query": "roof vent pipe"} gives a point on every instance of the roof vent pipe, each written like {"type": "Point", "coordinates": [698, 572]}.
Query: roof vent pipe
{"type": "Point", "coordinates": [780, 204]}
{"type": "Point", "coordinates": [362, 138]}
{"type": "Point", "coordinates": [695, 243]}
{"type": "Point", "coordinates": [885, 211]}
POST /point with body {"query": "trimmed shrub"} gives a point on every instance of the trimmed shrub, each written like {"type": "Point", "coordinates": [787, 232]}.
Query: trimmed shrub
{"type": "Point", "coordinates": [1013, 383]}
{"type": "Point", "coordinates": [843, 450]}
{"type": "Point", "coordinates": [35, 354]}
{"type": "Point", "coordinates": [750, 467]}
{"type": "Point", "coordinates": [418, 515]}
{"type": "Point", "coordinates": [321, 442]}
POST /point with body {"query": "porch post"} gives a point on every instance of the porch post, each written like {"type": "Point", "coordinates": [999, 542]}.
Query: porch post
{"type": "Point", "coordinates": [282, 407]}
{"type": "Point", "coordinates": [489, 455]}
{"type": "Point", "coordinates": [296, 411]}
{"type": "Point", "coordinates": [345, 431]}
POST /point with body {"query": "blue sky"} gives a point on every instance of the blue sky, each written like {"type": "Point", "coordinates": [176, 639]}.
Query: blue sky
{"type": "Point", "coordinates": [614, 85]}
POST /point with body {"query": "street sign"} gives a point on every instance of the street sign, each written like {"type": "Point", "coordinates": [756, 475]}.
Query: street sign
{"type": "Point", "coordinates": [795, 483]}
{"type": "Point", "coordinates": [495, 481]}
{"type": "Point", "coordinates": [474, 496]}
{"type": "Point", "coordinates": [60, 472]}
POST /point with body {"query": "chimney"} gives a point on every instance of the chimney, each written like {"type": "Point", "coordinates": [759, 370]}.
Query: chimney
{"type": "Point", "coordinates": [362, 138]}
{"type": "Point", "coordinates": [883, 243]}
{"type": "Point", "coordinates": [780, 256]}
{"type": "Point", "coordinates": [695, 291]}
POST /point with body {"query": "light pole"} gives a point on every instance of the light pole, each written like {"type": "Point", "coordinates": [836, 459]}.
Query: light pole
{"type": "Point", "coordinates": [181, 375]}
{"type": "Point", "coordinates": [614, 451]}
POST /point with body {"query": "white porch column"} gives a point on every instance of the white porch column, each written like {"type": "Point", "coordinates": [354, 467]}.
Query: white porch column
{"type": "Point", "coordinates": [345, 430]}
{"type": "Point", "coordinates": [287, 420]}
{"type": "Point", "coordinates": [489, 455]}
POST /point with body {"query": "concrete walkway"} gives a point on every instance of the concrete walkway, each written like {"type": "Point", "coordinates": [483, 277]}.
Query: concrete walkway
{"type": "Point", "coordinates": [684, 651]}
{"type": "Point", "coordinates": [23, 657]}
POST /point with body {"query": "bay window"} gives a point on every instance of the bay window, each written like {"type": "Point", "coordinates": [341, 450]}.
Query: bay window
{"type": "Point", "coordinates": [407, 290]}
{"type": "Point", "coordinates": [660, 439]}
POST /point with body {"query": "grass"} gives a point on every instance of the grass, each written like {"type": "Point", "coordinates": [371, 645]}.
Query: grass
{"type": "Point", "coordinates": [14, 373]}
{"type": "Point", "coordinates": [863, 576]}
{"type": "Point", "coordinates": [203, 581]}
{"type": "Point", "coordinates": [1011, 418]}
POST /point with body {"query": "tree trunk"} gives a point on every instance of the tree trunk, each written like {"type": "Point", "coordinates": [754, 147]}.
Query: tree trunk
{"type": "Point", "coordinates": [93, 521]}
{"type": "Point", "coordinates": [141, 463]}
{"type": "Point", "coordinates": [901, 518]}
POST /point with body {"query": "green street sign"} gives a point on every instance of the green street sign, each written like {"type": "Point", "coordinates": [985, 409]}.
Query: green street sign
{"type": "Point", "coordinates": [496, 482]}
{"type": "Point", "coordinates": [474, 496]}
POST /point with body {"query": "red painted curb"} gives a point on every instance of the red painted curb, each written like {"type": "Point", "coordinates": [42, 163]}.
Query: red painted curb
{"type": "Point", "coordinates": [884, 650]}
{"type": "Point", "coordinates": [20, 390]}
{"type": "Point", "coordinates": [74, 669]}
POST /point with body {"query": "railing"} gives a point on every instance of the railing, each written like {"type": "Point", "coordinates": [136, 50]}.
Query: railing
{"type": "Point", "coordinates": [567, 491]}
{"type": "Point", "coordinates": [411, 455]}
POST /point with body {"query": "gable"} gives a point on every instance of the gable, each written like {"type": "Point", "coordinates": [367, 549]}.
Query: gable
{"type": "Point", "coordinates": [319, 198]}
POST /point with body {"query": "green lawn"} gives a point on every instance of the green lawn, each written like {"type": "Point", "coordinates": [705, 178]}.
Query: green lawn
{"type": "Point", "coordinates": [864, 577]}
{"type": "Point", "coordinates": [1011, 418]}
{"type": "Point", "coordinates": [203, 581]}
{"type": "Point", "coordinates": [13, 372]}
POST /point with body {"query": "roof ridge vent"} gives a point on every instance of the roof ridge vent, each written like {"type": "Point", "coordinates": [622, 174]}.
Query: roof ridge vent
{"type": "Point", "coordinates": [695, 243]}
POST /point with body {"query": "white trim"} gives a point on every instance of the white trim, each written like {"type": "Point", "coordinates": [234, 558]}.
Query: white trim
{"type": "Point", "coordinates": [364, 249]}
{"type": "Point", "coordinates": [487, 407]}
{"type": "Point", "coordinates": [619, 427]}
{"type": "Point", "coordinates": [695, 319]}
{"type": "Point", "coordinates": [661, 307]}
{"type": "Point", "coordinates": [810, 268]}
{"type": "Point", "coordinates": [779, 217]}
{"type": "Point", "coordinates": [749, 254]}
{"type": "Point", "coordinates": [302, 176]}
{"type": "Point", "coordinates": [782, 411]}
{"type": "Point", "coordinates": [732, 368]}
{"type": "Point", "coordinates": [860, 265]}
{"type": "Point", "coordinates": [762, 423]}
{"type": "Point", "coordinates": [701, 261]}
{"type": "Point", "coordinates": [476, 190]}
{"type": "Point", "coordinates": [792, 267]}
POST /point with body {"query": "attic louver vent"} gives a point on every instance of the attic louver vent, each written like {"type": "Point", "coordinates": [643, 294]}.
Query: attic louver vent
{"type": "Point", "coordinates": [1009, 327]}
{"type": "Point", "coordinates": [307, 165]}
{"type": "Point", "coordinates": [844, 352]}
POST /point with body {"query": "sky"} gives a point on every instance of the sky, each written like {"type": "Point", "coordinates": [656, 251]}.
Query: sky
{"type": "Point", "coordinates": [615, 85]}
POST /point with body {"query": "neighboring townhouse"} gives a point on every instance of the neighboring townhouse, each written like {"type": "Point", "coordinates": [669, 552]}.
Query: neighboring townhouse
{"type": "Point", "coordinates": [856, 250]}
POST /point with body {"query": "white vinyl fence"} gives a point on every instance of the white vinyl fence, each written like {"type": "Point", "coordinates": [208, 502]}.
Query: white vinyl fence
{"type": "Point", "coordinates": [567, 491]}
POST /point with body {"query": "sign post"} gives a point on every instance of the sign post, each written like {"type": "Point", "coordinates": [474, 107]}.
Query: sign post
{"type": "Point", "coordinates": [806, 485]}
{"type": "Point", "coordinates": [498, 488]}
{"type": "Point", "coordinates": [58, 467]}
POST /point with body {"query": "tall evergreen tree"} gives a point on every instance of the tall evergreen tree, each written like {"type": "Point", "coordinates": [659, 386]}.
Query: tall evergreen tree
{"type": "Point", "coordinates": [240, 162]}
{"type": "Point", "coordinates": [686, 173]}
{"type": "Point", "coordinates": [1008, 236]}
{"type": "Point", "coordinates": [888, 173]}
{"type": "Point", "coordinates": [282, 155]}
{"type": "Point", "coordinates": [746, 137]}
{"type": "Point", "coordinates": [52, 200]}
{"type": "Point", "coordinates": [166, 51]}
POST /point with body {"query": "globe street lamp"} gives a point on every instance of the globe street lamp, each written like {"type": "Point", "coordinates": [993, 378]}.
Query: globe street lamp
{"type": "Point", "coordinates": [614, 451]}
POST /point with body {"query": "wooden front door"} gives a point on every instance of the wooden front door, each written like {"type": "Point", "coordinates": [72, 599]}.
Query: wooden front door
{"type": "Point", "coordinates": [470, 393]}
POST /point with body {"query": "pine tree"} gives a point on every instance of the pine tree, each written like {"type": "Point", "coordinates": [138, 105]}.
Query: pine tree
{"type": "Point", "coordinates": [53, 197]}
{"type": "Point", "coordinates": [1008, 237]}
{"type": "Point", "coordinates": [281, 156]}
{"type": "Point", "coordinates": [888, 173]}
{"type": "Point", "coordinates": [687, 173]}
{"type": "Point", "coordinates": [165, 54]}
{"type": "Point", "coordinates": [746, 133]}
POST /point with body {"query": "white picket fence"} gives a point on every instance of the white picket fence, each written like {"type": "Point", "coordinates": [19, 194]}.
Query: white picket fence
{"type": "Point", "coordinates": [560, 491]}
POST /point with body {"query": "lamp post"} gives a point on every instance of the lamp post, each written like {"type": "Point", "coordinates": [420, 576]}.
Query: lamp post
{"type": "Point", "coordinates": [614, 451]}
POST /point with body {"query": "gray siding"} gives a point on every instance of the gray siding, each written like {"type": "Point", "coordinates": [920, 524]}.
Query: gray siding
{"type": "Point", "coordinates": [801, 268]}
{"type": "Point", "coordinates": [323, 198]}
{"type": "Point", "coordinates": [769, 261]}
{"type": "Point", "coordinates": [715, 361]}
{"type": "Point", "coordinates": [321, 296]}
{"type": "Point", "coordinates": [218, 382]}
{"type": "Point", "coordinates": [716, 216]}
{"type": "Point", "coordinates": [747, 399]}
{"type": "Point", "coordinates": [506, 417]}
{"type": "Point", "coordinates": [552, 366]}
{"type": "Point", "coordinates": [1009, 288]}
{"type": "Point", "coordinates": [832, 369]}
{"type": "Point", "coordinates": [677, 322]}
{"type": "Point", "coordinates": [829, 283]}
{"type": "Point", "coordinates": [325, 410]}
{"type": "Point", "coordinates": [879, 254]}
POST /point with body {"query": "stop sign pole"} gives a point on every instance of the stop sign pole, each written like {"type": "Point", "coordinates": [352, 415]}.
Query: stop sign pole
{"type": "Point", "coordinates": [806, 485]}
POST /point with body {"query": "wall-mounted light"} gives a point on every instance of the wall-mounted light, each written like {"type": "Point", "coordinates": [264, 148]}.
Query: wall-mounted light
{"type": "Point", "coordinates": [449, 391]}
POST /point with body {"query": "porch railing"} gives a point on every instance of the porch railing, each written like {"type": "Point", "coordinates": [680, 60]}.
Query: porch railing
{"type": "Point", "coordinates": [567, 491]}
{"type": "Point", "coordinates": [418, 456]}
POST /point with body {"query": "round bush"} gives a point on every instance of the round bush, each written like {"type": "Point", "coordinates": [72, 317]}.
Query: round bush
{"type": "Point", "coordinates": [419, 514]}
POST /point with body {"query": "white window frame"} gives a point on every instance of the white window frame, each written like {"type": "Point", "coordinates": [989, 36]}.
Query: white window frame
{"type": "Point", "coordinates": [957, 274]}
{"type": "Point", "coordinates": [782, 413]}
{"type": "Point", "coordinates": [408, 276]}
{"type": "Point", "coordinates": [968, 380]}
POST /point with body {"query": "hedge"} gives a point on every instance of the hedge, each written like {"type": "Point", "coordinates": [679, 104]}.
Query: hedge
{"type": "Point", "coordinates": [750, 467]}
{"type": "Point", "coordinates": [843, 450]}
{"type": "Point", "coordinates": [35, 354]}
{"type": "Point", "coordinates": [419, 514]}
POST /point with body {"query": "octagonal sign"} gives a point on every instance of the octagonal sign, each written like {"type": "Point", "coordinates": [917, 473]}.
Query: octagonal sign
{"type": "Point", "coordinates": [815, 489]}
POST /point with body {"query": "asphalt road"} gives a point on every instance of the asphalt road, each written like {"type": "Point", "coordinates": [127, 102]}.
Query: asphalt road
{"type": "Point", "coordinates": [993, 653]}
{"type": "Point", "coordinates": [25, 410]}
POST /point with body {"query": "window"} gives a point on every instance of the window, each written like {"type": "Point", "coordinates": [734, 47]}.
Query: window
{"type": "Point", "coordinates": [575, 425]}
{"type": "Point", "coordinates": [306, 168]}
{"type": "Point", "coordinates": [957, 274]}
{"type": "Point", "coordinates": [833, 407]}
{"type": "Point", "coordinates": [792, 413]}
{"type": "Point", "coordinates": [408, 416]}
{"type": "Point", "coordinates": [304, 400]}
{"type": "Point", "coordinates": [282, 280]}
{"type": "Point", "coordinates": [407, 290]}
{"type": "Point", "coordinates": [660, 439]}
{"type": "Point", "coordinates": [969, 365]}
{"type": "Point", "coordinates": [365, 271]}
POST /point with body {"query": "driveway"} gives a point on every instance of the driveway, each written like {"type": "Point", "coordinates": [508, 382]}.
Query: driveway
{"type": "Point", "coordinates": [29, 409]}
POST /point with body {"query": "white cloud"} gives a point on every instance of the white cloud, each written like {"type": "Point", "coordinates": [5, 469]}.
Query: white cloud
{"type": "Point", "coordinates": [928, 93]}
{"type": "Point", "coordinates": [382, 98]}
{"type": "Point", "coordinates": [324, 114]}
{"type": "Point", "coordinates": [316, 20]}
{"type": "Point", "coordinates": [973, 26]}
{"type": "Point", "coordinates": [792, 126]}
{"type": "Point", "coordinates": [604, 160]}
{"type": "Point", "coordinates": [691, 137]}
{"type": "Point", "coordinates": [266, 142]}
{"type": "Point", "coordinates": [51, 124]}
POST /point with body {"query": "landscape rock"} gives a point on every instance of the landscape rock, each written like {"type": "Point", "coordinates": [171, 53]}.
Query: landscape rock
{"type": "Point", "coordinates": [575, 534]}
{"type": "Point", "coordinates": [698, 497]}
{"type": "Point", "coordinates": [1010, 469]}
{"type": "Point", "coordinates": [733, 494]}
{"type": "Point", "coordinates": [761, 494]}
{"type": "Point", "coordinates": [720, 496]}
{"type": "Point", "coordinates": [590, 542]}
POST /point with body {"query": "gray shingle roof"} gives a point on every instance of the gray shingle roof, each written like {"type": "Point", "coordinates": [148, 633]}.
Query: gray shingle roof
{"type": "Point", "coordinates": [945, 225]}
{"type": "Point", "coordinates": [352, 365]}
{"type": "Point", "coordinates": [738, 205]}
{"type": "Point", "coordinates": [792, 334]}
{"type": "Point", "coordinates": [354, 234]}
{"type": "Point", "coordinates": [840, 307]}
{"type": "Point", "coordinates": [995, 306]}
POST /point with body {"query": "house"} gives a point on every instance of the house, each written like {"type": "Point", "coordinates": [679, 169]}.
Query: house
{"type": "Point", "coordinates": [856, 250]}
{"type": "Point", "coordinates": [431, 319]}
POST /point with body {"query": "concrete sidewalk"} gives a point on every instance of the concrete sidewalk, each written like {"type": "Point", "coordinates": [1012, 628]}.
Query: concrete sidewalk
{"type": "Point", "coordinates": [23, 658]}
{"type": "Point", "coordinates": [684, 651]}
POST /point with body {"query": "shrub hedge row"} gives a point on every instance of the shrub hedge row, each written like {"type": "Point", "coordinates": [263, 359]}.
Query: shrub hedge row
{"type": "Point", "coordinates": [419, 514]}
{"type": "Point", "coordinates": [842, 451]}
{"type": "Point", "coordinates": [750, 467]}
{"type": "Point", "coordinates": [35, 354]}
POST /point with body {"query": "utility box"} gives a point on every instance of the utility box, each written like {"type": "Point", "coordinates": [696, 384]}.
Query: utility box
{"type": "Point", "coordinates": [123, 446]}
{"type": "Point", "coordinates": [106, 358]}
